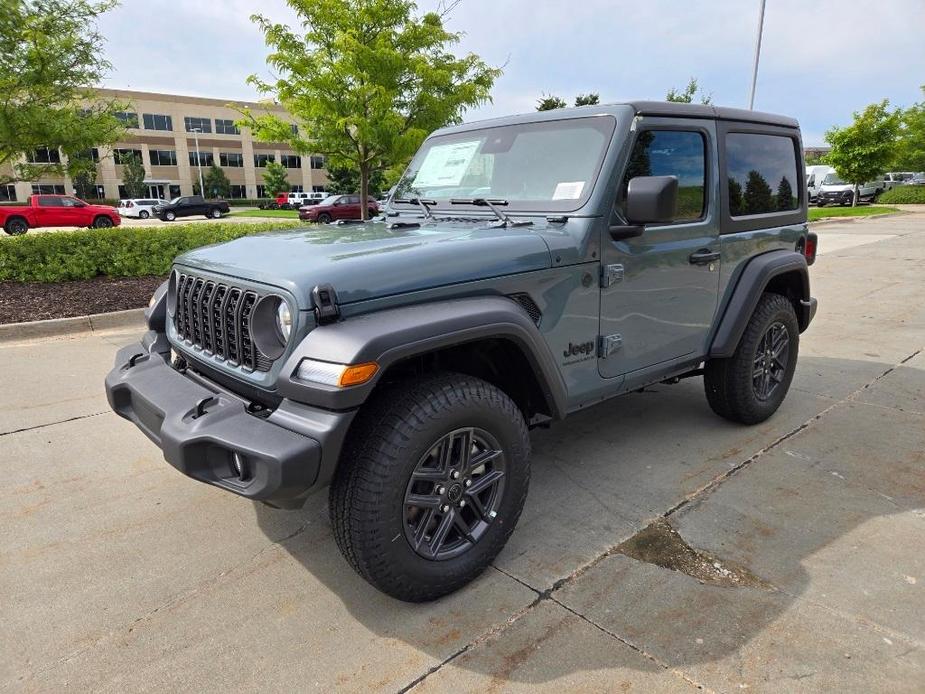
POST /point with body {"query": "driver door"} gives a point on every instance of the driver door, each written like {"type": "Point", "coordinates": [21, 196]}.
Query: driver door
{"type": "Point", "coordinates": [662, 285]}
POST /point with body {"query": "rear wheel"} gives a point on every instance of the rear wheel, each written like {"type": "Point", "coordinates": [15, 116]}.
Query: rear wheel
{"type": "Point", "coordinates": [16, 226]}
{"type": "Point", "coordinates": [749, 386]}
{"type": "Point", "coordinates": [432, 485]}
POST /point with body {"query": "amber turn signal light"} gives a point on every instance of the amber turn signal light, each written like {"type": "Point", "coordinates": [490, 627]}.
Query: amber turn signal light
{"type": "Point", "coordinates": [358, 374]}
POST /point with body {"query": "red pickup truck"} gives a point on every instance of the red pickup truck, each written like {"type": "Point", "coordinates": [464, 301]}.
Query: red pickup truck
{"type": "Point", "coordinates": [56, 211]}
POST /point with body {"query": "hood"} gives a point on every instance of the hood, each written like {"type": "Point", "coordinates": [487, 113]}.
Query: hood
{"type": "Point", "coordinates": [836, 187]}
{"type": "Point", "coordinates": [366, 261]}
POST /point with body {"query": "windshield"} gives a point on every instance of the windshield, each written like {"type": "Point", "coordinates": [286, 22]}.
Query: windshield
{"type": "Point", "coordinates": [833, 179]}
{"type": "Point", "coordinates": [329, 200]}
{"type": "Point", "coordinates": [175, 201]}
{"type": "Point", "coordinates": [542, 166]}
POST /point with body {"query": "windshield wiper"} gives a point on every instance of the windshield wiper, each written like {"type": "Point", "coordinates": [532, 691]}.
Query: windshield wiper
{"type": "Point", "coordinates": [423, 204]}
{"type": "Point", "coordinates": [492, 205]}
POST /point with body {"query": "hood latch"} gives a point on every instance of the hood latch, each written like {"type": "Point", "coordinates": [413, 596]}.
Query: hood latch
{"type": "Point", "coordinates": [325, 299]}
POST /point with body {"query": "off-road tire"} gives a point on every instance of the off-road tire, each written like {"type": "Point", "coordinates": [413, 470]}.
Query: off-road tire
{"type": "Point", "coordinates": [728, 382]}
{"type": "Point", "coordinates": [393, 431]}
{"type": "Point", "coordinates": [324, 218]}
{"type": "Point", "coordinates": [17, 226]}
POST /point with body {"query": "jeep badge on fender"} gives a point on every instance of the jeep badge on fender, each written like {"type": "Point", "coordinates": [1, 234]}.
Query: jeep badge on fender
{"type": "Point", "coordinates": [402, 362]}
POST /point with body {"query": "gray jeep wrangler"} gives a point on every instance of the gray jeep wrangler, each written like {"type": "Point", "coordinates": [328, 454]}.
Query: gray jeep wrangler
{"type": "Point", "coordinates": [525, 268]}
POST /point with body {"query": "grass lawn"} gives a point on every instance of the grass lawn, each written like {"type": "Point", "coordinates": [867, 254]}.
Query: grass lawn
{"type": "Point", "coordinates": [272, 214]}
{"type": "Point", "coordinates": [816, 213]}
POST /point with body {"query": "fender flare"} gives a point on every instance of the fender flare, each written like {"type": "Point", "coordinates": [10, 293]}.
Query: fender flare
{"type": "Point", "coordinates": [392, 335]}
{"type": "Point", "coordinates": [751, 284]}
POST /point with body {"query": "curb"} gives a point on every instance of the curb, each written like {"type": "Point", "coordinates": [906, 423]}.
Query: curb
{"type": "Point", "coordinates": [842, 220]}
{"type": "Point", "coordinates": [58, 327]}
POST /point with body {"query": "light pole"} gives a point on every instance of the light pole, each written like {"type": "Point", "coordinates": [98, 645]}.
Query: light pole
{"type": "Point", "coordinates": [751, 95]}
{"type": "Point", "coordinates": [202, 188]}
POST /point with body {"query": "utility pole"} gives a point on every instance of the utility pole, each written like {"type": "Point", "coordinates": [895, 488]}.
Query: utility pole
{"type": "Point", "coordinates": [202, 188]}
{"type": "Point", "coordinates": [751, 95]}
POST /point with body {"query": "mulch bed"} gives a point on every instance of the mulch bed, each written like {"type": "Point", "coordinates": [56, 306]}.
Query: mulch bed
{"type": "Point", "coordinates": [29, 301]}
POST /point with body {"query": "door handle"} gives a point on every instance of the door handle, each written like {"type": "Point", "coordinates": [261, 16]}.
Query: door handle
{"type": "Point", "coordinates": [704, 256]}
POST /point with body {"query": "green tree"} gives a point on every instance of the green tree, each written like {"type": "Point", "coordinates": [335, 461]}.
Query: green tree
{"type": "Point", "coordinates": [216, 183]}
{"type": "Point", "coordinates": [550, 103]}
{"type": "Point", "coordinates": [910, 145]}
{"type": "Point", "coordinates": [865, 149]}
{"type": "Point", "coordinates": [83, 174]}
{"type": "Point", "coordinates": [50, 61]}
{"type": "Point", "coordinates": [344, 180]}
{"type": "Point", "coordinates": [368, 80]}
{"type": "Point", "coordinates": [785, 199]}
{"type": "Point", "coordinates": [687, 95]}
{"type": "Point", "coordinates": [814, 158]}
{"type": "Point", "coordinates": [133, 176]}
{"type": "Point", "coordinates": [736, 204]}
{"type": "Point", "coordinates": [274, 179]}
{"type": "Point", "coordinates": [591, 99]}
{"type": "Point", "coordinates": [758, 197]}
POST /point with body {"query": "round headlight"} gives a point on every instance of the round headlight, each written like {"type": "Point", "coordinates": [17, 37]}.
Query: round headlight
{"type": "Point", "coordinates": [284, 320]}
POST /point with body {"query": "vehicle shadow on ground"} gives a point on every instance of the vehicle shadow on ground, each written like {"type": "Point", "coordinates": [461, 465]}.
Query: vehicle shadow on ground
{"type": "Point", "coordinates": [612, 470]}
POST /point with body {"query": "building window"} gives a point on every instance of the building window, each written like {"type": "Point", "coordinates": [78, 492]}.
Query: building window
{"type": "Point", "coordinates": [261, 191]}
{"type": "Point", "coordinates": [296, 189]}
{"type": "Point", "coordinates": [318, 189]}
{"type": "Point", "coordinates": [121, 156]}
{"type": "Point", "coordinates": [154, 121]}
{"type": "Point", "coordinates": [205, 159]}
{"type": "Point", "coordinates": [47, 189]}
{"type": "Point", "coordinates": [234, 160]}
{"type": "Point", "coordinates": [8, 193]}
{"type": "Point", "coordinates": [762, 172]}
{"type": "Point", "coordinates": [44, 155]}
{"type": "Point", "coordinates": [162, 157]}
{"type": "Point", "coordinates": [261, 160]}
{"type": "Point", "coordinates": [238, 192]}
{"type": "Point", "coordinates": [127, 118]}
{"type": "Point", "coordinates": [193, 123]}
{"type": "Point", "coordinates": [226, 127]}
{"type": "Point", "coordinates": [678, 153]}
{"type": "Point", "coordinates": [174, 191]}
{"type": "Point", "coordinates": [317, 161]}
{"type": "Point", "coordinates": [291, 161]}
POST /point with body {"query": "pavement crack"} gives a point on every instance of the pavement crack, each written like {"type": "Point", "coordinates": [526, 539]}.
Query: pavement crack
{"type": "Point", "coordinates": [51, 424]}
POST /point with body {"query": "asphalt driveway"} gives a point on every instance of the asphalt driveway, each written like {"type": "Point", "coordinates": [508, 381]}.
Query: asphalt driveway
{"type": "Point", "coordinates": [661, 549]}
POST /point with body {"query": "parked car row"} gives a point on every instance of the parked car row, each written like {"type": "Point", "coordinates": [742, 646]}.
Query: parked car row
{"type": "Point", "coordinates": [169, 210]}
{"type": "Point", "coordinates": [292, 201]}
{"type": "Point", "coordinates": [825, 187]}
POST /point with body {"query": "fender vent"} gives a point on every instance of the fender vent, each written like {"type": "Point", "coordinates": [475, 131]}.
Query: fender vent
{"type": "Point", "coordinates": [529, 305]}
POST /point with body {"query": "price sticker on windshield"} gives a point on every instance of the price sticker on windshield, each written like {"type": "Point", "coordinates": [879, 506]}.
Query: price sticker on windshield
{"type": "Point", "coordinates": [445, 165]}
{"type": "Point", "coordinates": [569, 190]}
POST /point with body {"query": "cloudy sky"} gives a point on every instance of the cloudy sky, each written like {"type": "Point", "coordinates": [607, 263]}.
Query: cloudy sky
{"type": "Point", "coordinates": [821, 59]}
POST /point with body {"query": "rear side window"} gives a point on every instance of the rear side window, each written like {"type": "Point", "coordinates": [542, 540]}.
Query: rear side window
{"type": "Point", "coordinates": [762, 173]}
{"type": "Point", "coordinates": [678, 153]}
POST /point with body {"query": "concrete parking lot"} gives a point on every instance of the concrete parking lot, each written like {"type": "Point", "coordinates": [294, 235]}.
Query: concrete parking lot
{"type": "Point", "coordinates": [661, 548]}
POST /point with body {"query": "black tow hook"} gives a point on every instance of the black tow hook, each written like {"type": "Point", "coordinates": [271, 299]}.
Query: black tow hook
{"type": "Point", "coordinates": [134, 358]}
{"type": "Point", "coordinates": [201, 406]}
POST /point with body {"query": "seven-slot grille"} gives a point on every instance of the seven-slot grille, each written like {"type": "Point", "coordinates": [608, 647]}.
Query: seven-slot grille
{"type": "Point", "coordinates": [216, 318]}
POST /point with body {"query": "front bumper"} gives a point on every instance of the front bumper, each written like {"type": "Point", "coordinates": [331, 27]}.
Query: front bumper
{"type": "Point", "coordinates": [207, 432]}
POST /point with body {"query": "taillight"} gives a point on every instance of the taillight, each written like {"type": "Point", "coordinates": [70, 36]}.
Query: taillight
{"type": "Point", "coordinates": [809, 248]}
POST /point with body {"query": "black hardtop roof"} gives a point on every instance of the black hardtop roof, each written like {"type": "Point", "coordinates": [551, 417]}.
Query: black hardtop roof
{"type": "Point", "coordinates": [668, 108]}
{"type": "Point", "coordinates": [641, 108]}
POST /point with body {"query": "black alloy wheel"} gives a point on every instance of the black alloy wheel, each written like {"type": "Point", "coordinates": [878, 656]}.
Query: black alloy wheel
{"type": "Point", "coordinates": [102, 223]}
{"type": "Point", "coordinates": [771, 360]}
{"type": "Point", "coordinates": [324, 218]}
{"type": "Point", "coordinates": [16, 227]}
{"type": "Point", "coordinates": [454, 494]}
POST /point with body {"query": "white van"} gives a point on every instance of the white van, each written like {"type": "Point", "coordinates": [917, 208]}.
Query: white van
{"type": "Point", "coordinates": [835, 191]}
{"type": "Point", "coordinates": [814, 176]}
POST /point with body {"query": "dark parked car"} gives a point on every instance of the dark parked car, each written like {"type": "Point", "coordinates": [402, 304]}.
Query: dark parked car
{"type": "Point", "coordinates": [526, 269]}
{"type": "Point", "coordinates": [337, 207]}
{"type": "Point", "coordinates": [190, 205]}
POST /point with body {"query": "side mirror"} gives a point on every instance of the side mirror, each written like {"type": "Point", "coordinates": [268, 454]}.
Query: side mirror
{"type": "Point", "coordinates": [652, 199]}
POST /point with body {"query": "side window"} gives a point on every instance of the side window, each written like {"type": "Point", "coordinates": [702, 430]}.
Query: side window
{"type": "Point", "coordinates": [50, 201]}
{"type": "Point", "coordinates": [678, 153]}
{"type": "Point", "coordinates": [762, 171]}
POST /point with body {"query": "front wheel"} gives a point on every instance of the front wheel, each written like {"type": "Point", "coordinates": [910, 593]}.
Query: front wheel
{"type": "Point", "coordinates": [324, 218]}
{"type": "Point", "coordinates": [143, 214]}
{"type": "Point", "coordinates": [102, 223]}
{"type": "Point", "coordinates": [215, 213]}
{"type": "Point", "coordinates": [432, 485]}
{"type": "Point", "coordinates": [749, 386]}
{"type": "Point", "coordinates": [170, 216]}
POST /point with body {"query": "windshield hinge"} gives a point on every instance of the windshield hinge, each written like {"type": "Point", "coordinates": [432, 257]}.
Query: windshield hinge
{"type": "Point", "coordinates": [325, 299]}
{"type": "Point", "coordinates": [611, 275]}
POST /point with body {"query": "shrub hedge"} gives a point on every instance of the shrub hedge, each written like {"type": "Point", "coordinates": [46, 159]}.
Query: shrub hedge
{"type": "Point", "coordinates": [908, 195]}
{"type": "Point", "coordinates": [117, 252]}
